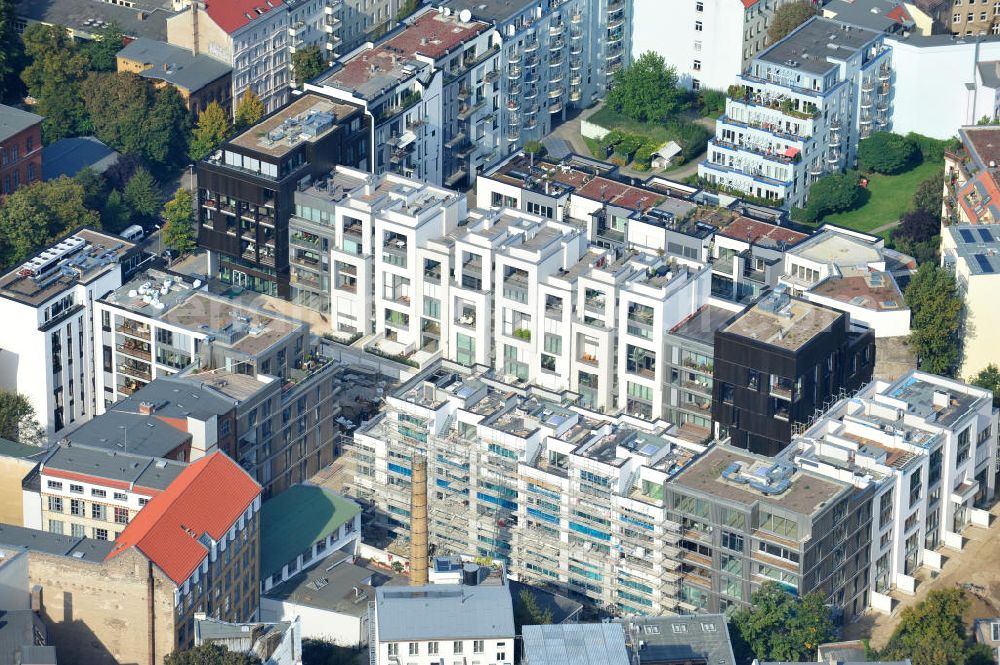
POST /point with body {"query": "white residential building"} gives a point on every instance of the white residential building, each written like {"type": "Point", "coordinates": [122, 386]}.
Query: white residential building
{"type": "Point", "coordinates": [47, 304]}
{"type": "Point", "coordinates": [708, 42]}
{"type": "Point", "coordinates": [799, 111]}
{"type": "Point", "coordinates": [926, 446]}
{"type": "Point", "coordinates": [472, 620]}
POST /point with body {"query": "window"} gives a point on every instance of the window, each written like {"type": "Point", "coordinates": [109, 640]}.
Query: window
{"type": "Point", "coordinates": [778, 525]}
{"type": "Point", "coordinates": [393, 649]}
{"type": "Point", "coordinates": [79, 531]}
{"type": "Point", "coordinates": [696, 65]}
{"type": "Point", "coordinates": [778, 551]}
{"type": "Point", "coordinates": [695, 84]}
{"type": "Point", "coordinates": [76, 507]}
{"type": "Point", "coordinates": [963, 445]}
{"type": "Point", "coordinates": [548, 363]}
{"type": "Point", "coordinates": [98, 493]}
{"type": "Point", "coordinates": [457, 647]}
{"type": "Point", "coordinates": [121, 496]}
{"type": "Point", "coordinates": [915, 487]}
{"type": "Point", "coordinates": [76, 489]}
{"type": "Point", "coordinates": [552, 344]}
{"type": "Point", "coordinates": [54, 485]}
{"type": "Point", "coordinates": [501, 655]}
{"type": "Point", "coordinates": [727, 392]}
{"type": "Point", "coordinates": [55, 504]}
{"type": "Point", "coordinates": [100, 534]}
{"type": "Point", "coordinates": [698, 27]}
{"type": "Point", "coordinates": [414, 649]}
{"type": "Point", "coordinates": [732, 541]}
{"type": "Point", "coordinates": [143, 501]}
{"type": "Point", "coordinates": [753, 379]}
{"type": "Point", "coordinates": [699, 6]}
{"type": "Point", "coordinates": [478, 647]}
{"type": "Point", "coordinates": [121, 515]}
{"type": "Point", "coordinates": [56, 526]}
{"type": "Point", "coordinates": [97, 511]}
{"type": "Point", "coordinates": [432, 648]}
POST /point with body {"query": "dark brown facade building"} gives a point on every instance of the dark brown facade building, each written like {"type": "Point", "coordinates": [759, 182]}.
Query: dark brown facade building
{"type": "Point", "coordinates": [20, 148]}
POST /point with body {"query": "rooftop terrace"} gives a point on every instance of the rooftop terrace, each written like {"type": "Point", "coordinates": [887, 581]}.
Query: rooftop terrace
{"type": "Point", "coordinates": [307, 119]}
{"type": "Point", "coordinates": [783, 322]}
{"type": "Point", "coordinates": [810, 47]}
{"type": "Point", "coordinates": [875, 291]}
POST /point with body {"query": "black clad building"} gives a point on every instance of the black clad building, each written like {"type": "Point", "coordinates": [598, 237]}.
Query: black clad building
{"type": "Point", "coordinates": [779, 363]}
{"type": "Point", "coordinates": [246, 189]}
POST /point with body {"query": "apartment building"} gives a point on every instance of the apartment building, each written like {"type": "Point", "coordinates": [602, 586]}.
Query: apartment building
{"type": "Point", "coordinates": [780, 364]}
{"type": "Point", "coordinates": [563, 495]}
{"type": "Point", "coordinates": [708, 42]}
{"type": "Point", "coordinates": [159, 324]}
{"type": "Point", "coordinates": [799, 111]}
{"type": "Point", "coordinates": [20, 148]}
{"type": "Point", "coordinates": [967, 17]}
{"type": "Point", "coordinates": [749, 254]}
{"type": "Point", "coordinates": [406, 621]}
{"type": "Point", "coordinates": [558, 57]}
{"type": "Point", "coordinates": [971, 253]}
{"type": "Point", "coordinates": [432, 90]}
{"type": "Point", "coordinates": [256, 39]}
{"type": "Point", "coordinates": [746, 520]}
{"type": "Point", "coordinates": [245, 189]}
{"type": "Point", "coordinates": [970, 182]}
{"type": "Point", "coordinates": [93, 493]}
{"type": "Point", "coordinates": [925, 448]}
{"type": "Point", "coordinates": [192, 549]}
{"type": "Point", "coordinates": [48, 303]}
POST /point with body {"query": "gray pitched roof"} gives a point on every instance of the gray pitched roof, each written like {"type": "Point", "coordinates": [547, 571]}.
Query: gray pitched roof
{"type": "Point", "coordinates": [71, 155]}
{"type": "Point", "coordinates": [175, 65]}
{"type": "Point", "coordinates": [52, 543]}
{"type": "Point", "coordinates": [444, 611]}
{"type": "Point", "coordinates": [14, 120]}
{"type": "Point", "coordinates": [75, 14]}
{"type": "Point", "coordinates": [115, 465]}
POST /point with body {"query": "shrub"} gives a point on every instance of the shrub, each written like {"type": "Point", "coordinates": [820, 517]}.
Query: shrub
{"type": "Point", "coordinates": [887, 153]}
{"type": "Point", "coordinates": [929, 194]}
{"type": "Point", "coordinates": [712, 102]}
{"type": "Point", "coordinates": [837, 192]}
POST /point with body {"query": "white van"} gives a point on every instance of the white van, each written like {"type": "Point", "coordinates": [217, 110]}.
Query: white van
{"type": "Point", "coordinates": [133, 233]}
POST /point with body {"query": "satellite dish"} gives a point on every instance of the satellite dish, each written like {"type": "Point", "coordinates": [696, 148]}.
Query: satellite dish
{"type": "Point", "coordinates": [465, 16]}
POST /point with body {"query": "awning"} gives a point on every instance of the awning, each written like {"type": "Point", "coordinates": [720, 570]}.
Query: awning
{"type": "Point", "coordinates": [791, 152]}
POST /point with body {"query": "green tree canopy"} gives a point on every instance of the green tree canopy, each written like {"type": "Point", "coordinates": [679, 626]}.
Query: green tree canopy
{"type": "Point", "coordinates": [11, 50]}
{"type": "Point", "coordinates": [209, 654]}
{"type": "Point", "coordinates": [17, 419]}
{"type": "Point", "coordinates": [308, 63]}
{"type": "Point", "coordinates": [37, 214]}
{"type": "Point", "coordinates": [102, 51]}
{"type": "Point", "coordinates": [647, 90]}
{"type": "Point", "coordinates": [141, 194]}
{"type": "Point", "coordinates": [989, 378]}
{"type": "Point", "coordinates": [212, 129]}
{"type": "Point", "coordinates": [178, 229]}
{"type": "Point", "coordinates": [115, 213]}
{"type": "Point", "coordinates": [936, 308]}
{"type": "Point", "coordinates": [54, 78]}
{"type": "Point", "coordinates": [832, 193]}
{"type": "Point", "coordinates": [166, 129]}
{"type": "Point", "coordinates": [249, 110]}
{"type": "Point", "coordinates": [918, 225]}
{"type": "Point", "coordinates": [788, 17]}
{"type": "Point", "coordinates": [95, 187]}
{"type": "Point", "coordinates": [527, 611]}
{"type": "Point", "coordinates": [778, 626]}
{"type": "Point", "coordinates": [319, 652]}
{"type": "Point", "coordinates": [928, 195]}
{"type": "Point", "coordinates": [888, 153]}
{"type": "Point", "coordinates": [932, 632]}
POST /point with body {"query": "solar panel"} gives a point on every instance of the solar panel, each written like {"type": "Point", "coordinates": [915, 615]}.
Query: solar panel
{"type": "Point", "coordinates": [984, 263]}
{"type": "Point", "coordinates": [967, 235]}
{"type": "Point", "coordinates": [986, 235]}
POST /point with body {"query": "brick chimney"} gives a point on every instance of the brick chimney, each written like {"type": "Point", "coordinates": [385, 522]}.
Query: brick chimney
{"type": "Point", "coordinates": [146, 408]}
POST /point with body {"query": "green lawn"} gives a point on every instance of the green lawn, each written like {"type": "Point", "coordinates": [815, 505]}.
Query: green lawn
{"type": "Point", "coordinates": [610, 119]}
{"type": "Point", "coordinates": [890, 197]}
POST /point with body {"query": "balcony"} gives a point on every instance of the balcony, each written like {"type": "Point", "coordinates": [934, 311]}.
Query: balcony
{"type": "Point", "coordinates": [514, 58]}
{"type": "Point", "coordinates": [513, 105]}
{"type": "Point", "coordinates": [140, 332]}
{"type": "Point", "coordinates": [575, 95]}
{"type": "Point", "coordinates": [780, 158]}
{"type": "Point", "coordinates": [575, 64]}
{"type": "Point", "coordinates": [557, 44]}
{"type": "Point", "coordinates": [556, 106]}
{"type": "Point", "coordinates": [394, 253]}
{"type": "Point", "coordinates": [884, 74]}
{"type": "Point", "coordinates": [467, 319]}
{"type": "Point", "coordinates": [556, 30]}
{"type": "Point", "coordinates": [135, 351]}
{"type": "Point", "coordinates": [491, 76]}
{"type": "Point", "coordinates": [135, 371]}
{"type": "Point", "coordinates": [465, 110]}
{"type": "Point", "coordinates": [514, 72]}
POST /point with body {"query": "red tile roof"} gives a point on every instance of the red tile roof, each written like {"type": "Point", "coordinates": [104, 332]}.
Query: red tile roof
{"type": "Point", "coordinates": [752, 230]}
{"type": "Point", "coordinates": [208, 497]}
{"type": "Point", "coordinates": [231, 15]}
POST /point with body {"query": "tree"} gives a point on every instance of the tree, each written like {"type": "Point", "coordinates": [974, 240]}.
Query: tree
{"type": "Point", "coordinates": [918, 225]}
{"type": "Point", "coordinates": [832, 193]}
{"type": "Point", "coordinates": [17, 419]}
{"type": "Point", "coordinates": [142, 195]}
{"type": "Point", "coordinates": [928, 195]}
{"type": "Point", "coordinates": [54, 77]}
{"type": "Point", "coordinates": [249, 110]}
{"type": "Point", "coordinates": [319, 652]}
{"type": "Point", "coordinates": [989, 378]}
{"type": "Point", "coordinates": [118, 104]}
{"type": "Point", "coordinates": [407, 8]}
{"type": "Point", "coordinates": [788, 17]}
{"type": "Point", "coordinates": [210, 654]}
{"type": "Point", "coordinates": [527, 611]}
{"type": "Point", "coordinates": [212, 129]}
{"type": "Point", "coordinates": [11, 51]}
{"type": "Point", "coordinates": [647, 90]}
{"type": "Point", "coordinates": [887, 153]}
{"type": "Point", "coordinates": [178, 229]}
{"type": "Point", "coordinates": [95, 188]}
{"type": "Point", "coordinates": [932, 632]}
{"type": "Point", "coordinates": [780, 626]}
{"type": "Point", "coordinates": [115, 214]}
{"type": "Point", "coordinates": [166, 129]}
{"type": "Point", "coordinates": [308, 63]}
{"type": "Point", "coordinates": [37, 214]}
{"type": "Point", "coordinates": [102, 51]}
{"type": "Point", "coordinates": [936, 308]}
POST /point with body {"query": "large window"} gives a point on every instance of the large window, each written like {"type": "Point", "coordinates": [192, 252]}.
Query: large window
{"type": "Point", "coordinates": [465, 349]}
{"type": "Point", "coordinates": [963, 445]}
{"type": "Point", "coordinates": [781, 526]}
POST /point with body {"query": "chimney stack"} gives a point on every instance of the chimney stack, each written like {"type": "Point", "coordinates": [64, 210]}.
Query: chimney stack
{"type": "Point", "coordinates": [418, 523]}
{"type": "Point", "coordinates": [36, 599]}
{"type": "Point", "coordinates": [146, 408]}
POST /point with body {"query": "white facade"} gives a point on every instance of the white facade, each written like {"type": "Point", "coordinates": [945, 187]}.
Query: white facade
{"type": "Point", "coordinates": [47, 305]}
{"type": "Point", "coordinates": [789, 121]}
{"type": "Point", "coordinates": [943, 82]}
{"type": "Point", "coordinates": [317, 623]}
{"type": "Point", "coordinates": [708, 42]}
{"type": "Point", "coordinates": [927, 445]}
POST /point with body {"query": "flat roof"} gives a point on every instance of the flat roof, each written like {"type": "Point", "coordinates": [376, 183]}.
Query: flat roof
{"type": "Point", "coordinates": [576, 643]}
{"type": "Point", "coordinates": [235, 386]}
{"type": "Point", "coordinates": [978, 245]}
{"type": "Point", "coordinates": [918, 390]}
{"type": "Point", "coordinates": [875, 291]}
{"type": "Point", "coordinates": [804, 495]}
{"type": "Point", "coordinates": [680, 639]}
{"type": "Point", "coordinates": [297, 518]}
{"type": "Point", "coordinates": [174, 64]}
{"type": "Point", "coordinates": [328, 585]}
{"type": "Point", "coordinates": [85, 549]}
{"type": "Point", "coordinates": [812, 44]}
{"type": "Point", "coordinates": [880, 15]}
{"type": "Point", "coordinates": [834, 247]}
{"type": "Point", "coordinates": [309, 118]}
{"type": "Point", "coordinates": [982, 144]}
{"type": "Point", "coordinates": [20, 450]}
{"type": "Point", "coordinates": [78, 258]}
{"type": "Point", "coordinates": [791, 328]}
{"type": "Point", "coordinates": [701, 325]}
{"type": "Point", "coordinates": [372, 72]}
{"type": "Point", "coordinates": [130, 432]}
{"type": "Point", "coordinates": [79, 16]}
{"type": "Point", "coordinates": [147, 472]}
{"type": "Point", "coordinates": [262, 331]}
{"type": "Point", "coordinates": [14, 120]}
{"type": "Point", "coordinates": [493, 11]}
